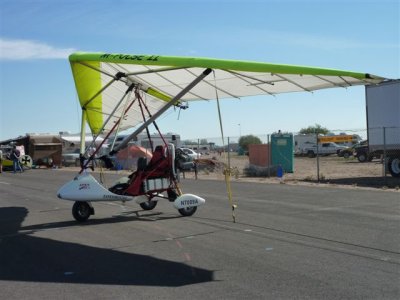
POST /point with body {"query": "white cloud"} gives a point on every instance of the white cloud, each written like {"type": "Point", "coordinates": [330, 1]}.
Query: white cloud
{"type": "Point", "coordinates": [27, 49]}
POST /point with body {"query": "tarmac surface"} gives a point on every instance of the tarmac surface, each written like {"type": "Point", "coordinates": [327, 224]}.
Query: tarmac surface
{"type": "Point", "coordinates": [288, 242]}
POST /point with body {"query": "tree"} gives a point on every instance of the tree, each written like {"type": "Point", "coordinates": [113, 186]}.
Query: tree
{"type": "Point", "coordinates": [247, 140]}
{"type": "Point", "coordinates": [314, 130]}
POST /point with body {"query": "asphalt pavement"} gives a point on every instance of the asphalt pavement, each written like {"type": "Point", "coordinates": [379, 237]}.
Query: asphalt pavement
{"type": "Point", "coordinates": [288, 242]}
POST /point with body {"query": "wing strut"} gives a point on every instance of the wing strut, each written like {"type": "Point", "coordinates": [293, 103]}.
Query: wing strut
{"type": "Point", "coordinates": [172, 102]}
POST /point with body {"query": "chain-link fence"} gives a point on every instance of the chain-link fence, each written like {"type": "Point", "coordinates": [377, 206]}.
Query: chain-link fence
{"type": "Point", "coordinates": [350, 157]}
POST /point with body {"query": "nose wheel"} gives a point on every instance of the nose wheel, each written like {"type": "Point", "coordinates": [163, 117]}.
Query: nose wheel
{"type": "Point", "coordinates": [188, 211]}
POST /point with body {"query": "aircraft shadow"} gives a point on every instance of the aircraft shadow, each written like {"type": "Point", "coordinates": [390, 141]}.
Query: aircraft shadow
{"type": "Point", "coordinates": [28, 258]}
{"type": "Point", "coordinates": [125, 217]}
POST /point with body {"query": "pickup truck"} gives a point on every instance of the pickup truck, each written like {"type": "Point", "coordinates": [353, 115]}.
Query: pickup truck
{"type": "Point", "coordinates": [323, 149]}
{"type": "Point", "coordinates": [359, 150]}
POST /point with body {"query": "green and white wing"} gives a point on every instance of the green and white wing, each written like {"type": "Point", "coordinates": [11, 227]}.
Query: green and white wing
{"type": "Point", "coordinates": [102, 79]}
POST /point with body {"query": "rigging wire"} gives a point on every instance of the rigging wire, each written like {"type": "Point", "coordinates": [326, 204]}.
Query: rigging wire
{"type": "Point", "coordinates": [121, 118]}
{"type": "Point", "coordinates": [142, 104]}
{"type": "Point", "coordinates": [140, 100]}
{"type": "Point", "coordinates": [85, 164]}
{"type": "Point", "coordinates": [227, 169]}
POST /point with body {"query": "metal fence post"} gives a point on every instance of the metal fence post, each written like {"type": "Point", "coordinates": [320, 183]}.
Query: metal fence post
{"type": "Point", "coordinates": [317, 159]}
{"type": "Point", "coordinates": [269, 157]}
{"type": "Point", "coordinates": [384, 153]}
{"type": "Point", "coordinates": [198, 148]}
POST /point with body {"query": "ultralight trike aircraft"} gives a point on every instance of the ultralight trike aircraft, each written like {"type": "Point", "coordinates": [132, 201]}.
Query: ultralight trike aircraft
{"type": "Point", "coordinates": [121, 91]}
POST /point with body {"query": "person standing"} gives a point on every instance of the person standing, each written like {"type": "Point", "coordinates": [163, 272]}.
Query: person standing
{"type": "Point", "coordinates": [15, 159]}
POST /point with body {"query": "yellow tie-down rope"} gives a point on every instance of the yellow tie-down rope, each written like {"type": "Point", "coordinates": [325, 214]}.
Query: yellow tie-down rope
{"type": "Point", "coordinates": [227, 168]}
{"type": "Point", "coordinates": [227, 173]}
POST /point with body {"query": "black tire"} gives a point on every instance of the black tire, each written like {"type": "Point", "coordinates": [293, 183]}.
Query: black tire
{"type": "Point", "coordinates": [82, 211]}
{"type": "Point", "coordinates": [310, 154]}
{"type": "Point", "coordinates": [148, 205]}
{"type": "Point", "coordinates": [346, 155]}
{"type": "Point", "coordinates": [394, 166]}
{"type": "Point", "coordinates": [187, 212]}
{"type": "Point", "coordinates": [362, 157]}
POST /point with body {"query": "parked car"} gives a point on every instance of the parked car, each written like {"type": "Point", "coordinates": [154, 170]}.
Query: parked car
{"type": "Point", "coordinates": [361, 151]}
{"type": "Point", "coordinates": [347, 152]}
{"type": "Point", "coordinates": [71, 159]}
{"type": "Point", "coordinates": [183, 162]}
{"type": "Point", "coordinates": [193, 154]}
{"type": "Point", "coordinates": [323, 149]}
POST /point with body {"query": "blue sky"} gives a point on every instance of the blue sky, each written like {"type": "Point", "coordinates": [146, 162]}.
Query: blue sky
{"type": "Point", "coordinates": [37, 93]}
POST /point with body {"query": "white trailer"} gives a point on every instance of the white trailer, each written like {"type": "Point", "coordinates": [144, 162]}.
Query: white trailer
{"type": "Point", "coordinates": [143, 140]}
{"type": "Point", "coordinates": [306, 144]}
{"type": "Point", "coordinates": [304, 141]}
{"type": "Point", "coordinates": [383, 122]}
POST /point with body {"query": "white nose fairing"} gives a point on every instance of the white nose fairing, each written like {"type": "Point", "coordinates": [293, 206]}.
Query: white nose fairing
{"type": "Point", "coordinates": [85, 187]}
{"type": "Point", "coordinates": [188, 200]}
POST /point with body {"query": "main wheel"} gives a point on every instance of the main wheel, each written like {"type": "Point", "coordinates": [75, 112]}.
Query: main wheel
{"type": "Point", "coordinates": [346, 155]}
{"type": "Point", "coordinates": [394, 166]}
{"type": "Point", "coordinates": [81, 211]}
{"type": "Point", "coordinates": [148, 205]}
{"type": "Point", "coordinates": [188, 211]}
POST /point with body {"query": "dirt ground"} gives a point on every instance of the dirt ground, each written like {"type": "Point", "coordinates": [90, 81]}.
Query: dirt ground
{"type": "Point", "coordinates": [333, 170]}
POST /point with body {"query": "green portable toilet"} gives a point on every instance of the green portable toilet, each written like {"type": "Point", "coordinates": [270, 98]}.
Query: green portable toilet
{"type": "Point", "coordinates": [282, 151]}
